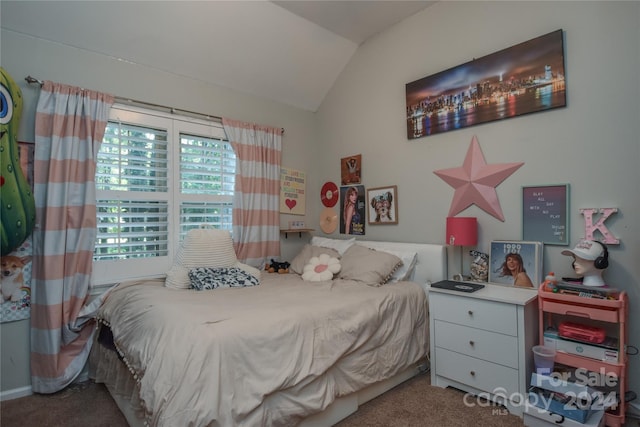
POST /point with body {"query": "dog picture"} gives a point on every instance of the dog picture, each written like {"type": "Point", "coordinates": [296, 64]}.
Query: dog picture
{"type": "Point", "coordinates": [12, 277]}
{"type": "Point", "coordinates": [381, 204]}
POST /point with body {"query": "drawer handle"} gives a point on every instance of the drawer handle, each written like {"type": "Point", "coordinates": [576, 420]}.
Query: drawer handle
{"type": "Point", "coordinates": [471, 343]}
{"type": "Point", "coordinates": [470, 313]}
{"type": "Point", "coordinates": [473, 373]}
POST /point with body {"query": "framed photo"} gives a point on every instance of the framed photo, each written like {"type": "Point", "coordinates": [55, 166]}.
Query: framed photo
{"type": "Point", "coordinates": [525, 78]}
{"type": "Point", "coordinates": [352, 210]}
{"type": "Point", "coordinates": [545, 214]}
{"type": "Point", "coordinates": [383, 205]}
{"type": "Point", "coordinates": [351, 170]}
{"type": "Point", "coordinates": [516, 262]}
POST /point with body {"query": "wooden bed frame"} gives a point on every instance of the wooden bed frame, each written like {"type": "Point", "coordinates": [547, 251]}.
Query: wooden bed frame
{"type": "Point", "coordinates": [431, 266]}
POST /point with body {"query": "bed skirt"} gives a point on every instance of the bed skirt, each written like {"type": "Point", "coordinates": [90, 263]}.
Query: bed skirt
{"type": "Point", "coordinates": [106, 367]}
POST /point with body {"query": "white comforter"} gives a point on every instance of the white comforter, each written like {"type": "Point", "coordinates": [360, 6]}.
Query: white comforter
{"type": "Point", "coordinates": [267, 355]}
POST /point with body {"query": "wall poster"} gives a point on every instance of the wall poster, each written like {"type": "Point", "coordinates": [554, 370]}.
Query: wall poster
{"type": "Point", "coordinates": [16, 266]}
{"type": "Point", "coordinates": [292, 191]}
{"type": "Point", "coordinates": [545, 214]}
{"type": "Point", "coordinates": [352, 209]}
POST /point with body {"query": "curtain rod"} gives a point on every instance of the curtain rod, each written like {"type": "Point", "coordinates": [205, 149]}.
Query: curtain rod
{"type": "Point", "coordinates": [123, 100]}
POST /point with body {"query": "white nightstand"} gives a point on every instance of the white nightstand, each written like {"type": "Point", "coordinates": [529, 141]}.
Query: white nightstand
{"type": "Point", "coordinates": [481, 342]}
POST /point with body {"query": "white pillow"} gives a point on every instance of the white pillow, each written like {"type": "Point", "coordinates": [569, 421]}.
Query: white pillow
{"type": "Point", "coordinates": [409, 260]}
{"type": "Point", "coordinates": [204, 247]}
{"type": "Point", "coordinates": [321, 268]}
{"type": "Point", "coordinates": [340, 245]}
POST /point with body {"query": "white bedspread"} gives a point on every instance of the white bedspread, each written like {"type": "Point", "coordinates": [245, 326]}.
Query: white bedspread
{"type": "Point", "coordinates": [267, 355]}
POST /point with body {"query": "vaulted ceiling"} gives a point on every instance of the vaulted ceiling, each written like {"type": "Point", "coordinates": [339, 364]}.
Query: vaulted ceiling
{"type": "Point", "coordinates": [288, 51]}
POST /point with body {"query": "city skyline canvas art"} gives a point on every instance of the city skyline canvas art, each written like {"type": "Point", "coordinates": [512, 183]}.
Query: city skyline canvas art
{"type": "Point", "coordinates": [525, 78]}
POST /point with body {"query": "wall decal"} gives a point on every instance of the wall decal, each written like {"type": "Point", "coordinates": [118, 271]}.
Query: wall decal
{"type": "Point", "coordinates": [475, 182]}
{"type": "Point", "coordinates": [590, 227]}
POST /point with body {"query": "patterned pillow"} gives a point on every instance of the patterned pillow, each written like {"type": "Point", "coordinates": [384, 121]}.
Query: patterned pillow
{"type": "Point", "coordinates": [204, 278]}
{"type": "Point", "coordinates": [204, 247]}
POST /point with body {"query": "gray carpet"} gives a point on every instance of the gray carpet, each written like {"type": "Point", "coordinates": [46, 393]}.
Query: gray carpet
{"type": "Point", "coordinates": [414, 403]}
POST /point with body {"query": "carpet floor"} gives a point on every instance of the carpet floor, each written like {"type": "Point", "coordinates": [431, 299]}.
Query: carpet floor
{"type": "Point", "coordinates": [414, 403]}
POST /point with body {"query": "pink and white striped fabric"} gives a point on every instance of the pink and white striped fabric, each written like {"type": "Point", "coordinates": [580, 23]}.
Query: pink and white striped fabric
{"type": "Point", "coordinates": [256, 203]}
{"type": "Point", "coordinates": [70, 125]}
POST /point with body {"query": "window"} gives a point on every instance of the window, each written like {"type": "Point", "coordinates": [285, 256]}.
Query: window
{"type": "Point", "coordinates": [157, 176]}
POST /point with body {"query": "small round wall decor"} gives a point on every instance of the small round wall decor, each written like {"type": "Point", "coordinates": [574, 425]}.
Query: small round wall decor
{"type": "Point", "coordinates": [329, 194]}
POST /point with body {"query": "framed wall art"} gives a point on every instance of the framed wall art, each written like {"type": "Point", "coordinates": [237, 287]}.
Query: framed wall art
{"type": "Point", "coordinates": [383, 205]}
{"type": "Point", "coordinates": [525, 78]}
{"type": "Point", "coordinates": [351, 170]}
{"type": "Point", "coordinates": [516, 262]}
{"type": "Point", "coordinates": [545, 213]}
{"type": "Point", "coordinates": [352, 210]}
{"type": "Point", "coordinates": [292, 191]}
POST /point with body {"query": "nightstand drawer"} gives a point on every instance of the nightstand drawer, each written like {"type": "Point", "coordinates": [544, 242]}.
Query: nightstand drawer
{"type": "Point", "coordinates": [497, 348]}
{"type": "Point", "coordinates": [477, 313]}
{"type": "Point", "coordinates": [479, 374]}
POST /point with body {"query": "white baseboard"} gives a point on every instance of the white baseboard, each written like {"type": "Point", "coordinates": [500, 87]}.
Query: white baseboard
{"type": "Point", "coordinates": [16, 393]}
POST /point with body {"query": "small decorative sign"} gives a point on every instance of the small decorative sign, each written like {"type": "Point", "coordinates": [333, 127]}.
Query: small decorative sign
{"type": "Point", "coordinates": [545, 214]}
{"type": "Point", "coordinates": [292, 191]}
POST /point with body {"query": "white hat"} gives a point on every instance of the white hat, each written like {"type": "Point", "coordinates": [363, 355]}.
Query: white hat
{"type": "Point", "coordinates": [585, 249]}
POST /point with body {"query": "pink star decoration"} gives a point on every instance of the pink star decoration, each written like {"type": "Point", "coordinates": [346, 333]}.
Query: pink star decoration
{"type": "Point", "coordinates": [476, 181]}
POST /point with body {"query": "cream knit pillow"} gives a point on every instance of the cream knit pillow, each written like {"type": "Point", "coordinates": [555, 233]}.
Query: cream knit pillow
{"type": "Point", "coordinates": [204, 248]}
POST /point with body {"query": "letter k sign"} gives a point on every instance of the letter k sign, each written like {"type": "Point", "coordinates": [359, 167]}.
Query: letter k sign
{"type": "Point", "coordinates": [590, 227]}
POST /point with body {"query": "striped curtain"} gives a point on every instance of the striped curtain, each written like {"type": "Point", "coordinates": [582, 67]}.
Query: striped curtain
{"type": "Point", "coordinates": [256, 203]}
{"type": "Point", "coordinates": [70, 124]}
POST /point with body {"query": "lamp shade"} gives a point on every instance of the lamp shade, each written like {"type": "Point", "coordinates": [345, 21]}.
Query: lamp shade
{"type": "Point", "coordinates": [462, 231]}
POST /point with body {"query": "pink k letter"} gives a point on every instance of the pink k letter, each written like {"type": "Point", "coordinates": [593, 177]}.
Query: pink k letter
{"type": "Point", "coordinates": [590, 227]}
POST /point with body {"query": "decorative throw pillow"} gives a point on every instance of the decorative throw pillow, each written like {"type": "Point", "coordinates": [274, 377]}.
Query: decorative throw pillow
{"type": "Point", "coordinates": [404, 272]}
{"type": "Point", "coordinates": [308, 252]}
{"type": "Point", "coordinates": [340, 245]}
{"type": "Point", "coordinates": [368, 265]}
{"type": "Point", "coordinates": [204, 247]}
{"type": "Point", "coordinates": [321, 268]}
{"type": "Point", "coordinates": [203, 278]}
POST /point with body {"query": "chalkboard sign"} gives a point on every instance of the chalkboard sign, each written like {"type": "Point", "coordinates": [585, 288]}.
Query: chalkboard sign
{"type": "Point", "coordinates": [545, 214]}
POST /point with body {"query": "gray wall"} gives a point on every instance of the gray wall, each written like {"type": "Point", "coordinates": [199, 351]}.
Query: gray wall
{"type": "Point", "coordinates": [592, 144]}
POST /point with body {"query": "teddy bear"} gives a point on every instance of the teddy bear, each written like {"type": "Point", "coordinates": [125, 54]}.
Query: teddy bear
{"type": "Point", "coordinates": [277, 267]}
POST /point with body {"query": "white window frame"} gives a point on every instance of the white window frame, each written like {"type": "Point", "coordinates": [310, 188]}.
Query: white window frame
{"type": "Point", "coordinates": [107, 272]}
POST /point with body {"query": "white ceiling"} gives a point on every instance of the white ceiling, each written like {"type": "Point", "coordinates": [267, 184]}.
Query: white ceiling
{"type": "Point", "coordinates": [288, 51]}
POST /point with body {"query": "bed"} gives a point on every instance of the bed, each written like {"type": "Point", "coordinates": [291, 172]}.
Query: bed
{"type": "Point", "coordinates": [286, 352]}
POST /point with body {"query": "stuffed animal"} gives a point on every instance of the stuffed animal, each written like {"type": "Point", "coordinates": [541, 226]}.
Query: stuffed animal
{"type": "Point", "coordinates": [277, 267]}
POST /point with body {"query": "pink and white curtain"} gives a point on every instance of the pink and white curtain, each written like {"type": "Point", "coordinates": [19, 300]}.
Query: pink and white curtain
{"type": "Point", "coordinates": [256, 203]}
{"type": "Point", "coordinates": [70, 125]}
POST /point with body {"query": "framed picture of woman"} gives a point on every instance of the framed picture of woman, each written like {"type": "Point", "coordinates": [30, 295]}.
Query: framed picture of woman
{"type": "Point", "coordinates": [352, 210]}
{"type": "Point", "coordinates": [516, 263]}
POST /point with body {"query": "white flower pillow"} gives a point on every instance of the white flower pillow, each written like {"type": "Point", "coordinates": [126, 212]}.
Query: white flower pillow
{"type": "Point", "coordinates": [321, 268]}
